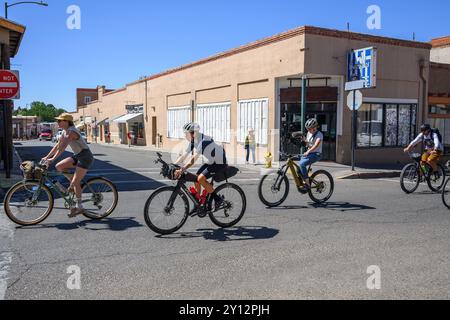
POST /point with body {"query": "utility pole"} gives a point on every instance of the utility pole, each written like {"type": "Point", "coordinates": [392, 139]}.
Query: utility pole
{"type": "Point", "coordinates": [303, 107]}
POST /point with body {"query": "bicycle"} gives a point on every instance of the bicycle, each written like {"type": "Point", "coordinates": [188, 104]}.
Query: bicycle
{"type": "Point", "coordinates": [31, 201]}
{"type": "Point", "coordinates": [276, 184]}
{"type": "Point", "coordinates": [446, 193]}
{"type": "Point", "coordinates": [168, 208]}
{"type": "Point", "coordinates": [417, 172]}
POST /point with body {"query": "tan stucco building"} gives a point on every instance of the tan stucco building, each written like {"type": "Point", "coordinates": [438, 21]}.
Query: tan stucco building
{"type": "Point", "coordinates": [438, 112]}
{"type": "Point", "coordinates": [259, 86]}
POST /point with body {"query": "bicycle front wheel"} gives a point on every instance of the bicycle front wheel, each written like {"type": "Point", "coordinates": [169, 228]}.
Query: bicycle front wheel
{"type": "Point", "coordinates": [273, 189]}
{"type": "Point", "coordinates": [28, 203]}
{"type": "Point", "coordinates": [233, 209]}
{"type": "Point", "coordinates": [410, 178]}
{"type": "Point", "coordinates": [166, 211]}
{"type": "Point", "coordinates": [100, 198]}
{"type": "Point", "coordinates": [436, 180]}
{"type": "Point", "coordinates": [322, 186]}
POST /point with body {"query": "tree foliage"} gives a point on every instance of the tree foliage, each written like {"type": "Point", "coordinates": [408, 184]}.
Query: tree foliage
{"type": "Point", "coordinates": [47, 112]}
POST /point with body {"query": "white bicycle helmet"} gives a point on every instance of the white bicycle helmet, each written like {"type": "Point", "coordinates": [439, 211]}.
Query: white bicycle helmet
{"type": "Point", "coordinates": [191, 127]}
{"type": "Point", "coordinates": [312, 123]}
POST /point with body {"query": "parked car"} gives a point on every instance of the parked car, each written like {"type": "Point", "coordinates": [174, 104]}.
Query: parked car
{"type": "Point", "coordinates": [83, 135]}
{"type": "Point", "coordinates": [57, 136]}
{"type": "Point", "coordinates": [46, 134]}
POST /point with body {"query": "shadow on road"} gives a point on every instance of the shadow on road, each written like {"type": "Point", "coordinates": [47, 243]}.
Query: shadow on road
{"type": "Point", "coordinates": [342, 206]}
{"type": "Point", "coordinates": [112, 224]}
{"type": "Point", "coordinates": [231, 234]}
{"type": "Point", "coordinates": [125, 180]}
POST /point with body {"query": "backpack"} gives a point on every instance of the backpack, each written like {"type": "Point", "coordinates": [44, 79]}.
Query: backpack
{"type": "Point", "coordinates": [438, 133]}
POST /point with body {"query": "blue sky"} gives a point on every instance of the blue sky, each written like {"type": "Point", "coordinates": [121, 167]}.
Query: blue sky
{"type": "Point", "coordinates": [120, 41]}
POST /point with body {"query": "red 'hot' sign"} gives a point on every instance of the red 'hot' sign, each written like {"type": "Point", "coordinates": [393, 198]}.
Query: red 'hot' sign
{"type": "Point", "coordinates": [9, 85]}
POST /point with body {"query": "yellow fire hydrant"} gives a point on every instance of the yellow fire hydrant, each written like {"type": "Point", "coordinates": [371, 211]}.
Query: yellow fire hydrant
{"type": "Point", "coordinates": [269, 159]}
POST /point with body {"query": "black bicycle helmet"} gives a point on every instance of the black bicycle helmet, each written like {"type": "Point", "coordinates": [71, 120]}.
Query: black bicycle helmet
{"type": "Point", "coordinates": [425, 127]}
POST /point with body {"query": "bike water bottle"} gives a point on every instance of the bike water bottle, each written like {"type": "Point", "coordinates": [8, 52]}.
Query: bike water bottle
{"type": "Point", "coordinates": [194, 192]}
{"type": "Point", "coordinates": [203, 198]}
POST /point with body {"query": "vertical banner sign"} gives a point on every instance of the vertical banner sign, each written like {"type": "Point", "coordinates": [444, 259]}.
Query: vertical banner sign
{"type": "Point", "coordinates": [9, 85]}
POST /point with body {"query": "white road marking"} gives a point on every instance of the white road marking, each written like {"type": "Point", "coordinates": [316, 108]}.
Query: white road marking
{"type": "Point", "coordinates": [389, 180]}
{"type": "Point", "coordinates": [168, 181]}
{"type": "Point", "coordinates": [6, 237]}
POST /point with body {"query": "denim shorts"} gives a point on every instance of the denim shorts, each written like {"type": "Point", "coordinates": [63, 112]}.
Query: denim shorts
{"type": "Point", "coordinates": [83, 160]}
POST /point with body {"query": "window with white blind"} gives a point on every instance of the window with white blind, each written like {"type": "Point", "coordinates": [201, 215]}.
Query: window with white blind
{"type": "Point", "coordinates": [176, 119]}
{"type": "Point", "coordinates": [253, 114]}
{"type": "Point", "coordinates": [87, 100]}
{"type": "Point", "coordinates": [214, 121]}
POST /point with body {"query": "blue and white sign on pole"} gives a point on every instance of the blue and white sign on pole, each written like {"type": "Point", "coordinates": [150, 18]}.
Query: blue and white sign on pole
{"type": "Point", "coordinates": [361, 74]}
{"type": "Point", "coordinates": [362, 66]}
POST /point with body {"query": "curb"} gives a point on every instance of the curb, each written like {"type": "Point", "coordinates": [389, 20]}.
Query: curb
{"type": "Point", "coordinates": [370, 175]}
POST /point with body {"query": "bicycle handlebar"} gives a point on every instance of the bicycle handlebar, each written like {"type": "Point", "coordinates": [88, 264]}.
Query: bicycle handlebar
{"type": "Point", "coordinates": [43, 164]}
{"type": "Point", "coordinates": [290, 155]}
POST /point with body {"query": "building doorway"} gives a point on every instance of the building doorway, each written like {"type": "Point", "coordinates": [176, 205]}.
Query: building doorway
{"type": "Point", "coordinates": [291, 122]}
{"type": "Point", "coordinates": [322, 105]}
{"type": "Point", "coordinates": [154, 131]}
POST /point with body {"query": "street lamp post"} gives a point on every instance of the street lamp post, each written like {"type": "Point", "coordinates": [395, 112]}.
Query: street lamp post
{"type": "Point", "coordinates": [22, 2]}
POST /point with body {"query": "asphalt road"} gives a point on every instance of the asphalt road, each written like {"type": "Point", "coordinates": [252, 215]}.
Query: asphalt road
{"type": "Point", "coordinates": [298, 251]}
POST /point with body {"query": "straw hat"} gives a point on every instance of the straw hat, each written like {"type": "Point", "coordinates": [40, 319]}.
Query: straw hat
{"type": "Point", "coordinates": [65, 117]}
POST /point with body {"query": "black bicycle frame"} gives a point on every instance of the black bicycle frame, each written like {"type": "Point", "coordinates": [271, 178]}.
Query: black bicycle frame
{"type": "Point", "coordinates": [181, 186]}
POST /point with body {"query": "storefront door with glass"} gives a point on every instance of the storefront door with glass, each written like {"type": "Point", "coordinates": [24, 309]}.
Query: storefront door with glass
{"type": "Point", "coordinates": [325, 113]}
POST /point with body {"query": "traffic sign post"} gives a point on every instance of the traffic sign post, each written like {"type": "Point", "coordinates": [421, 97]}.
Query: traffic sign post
{"type": "Point", "coordinates": [354, 102]}
{"type": "Point", "coordinates": [361, 74]}
{"type": "Point", "coordinates": [9, 85]}
{"type": "Point", "coordinates": [354, 130]}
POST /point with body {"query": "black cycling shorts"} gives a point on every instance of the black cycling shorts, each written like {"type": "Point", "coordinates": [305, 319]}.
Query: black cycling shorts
{"type": "Point", "coordinates": [208, 170]}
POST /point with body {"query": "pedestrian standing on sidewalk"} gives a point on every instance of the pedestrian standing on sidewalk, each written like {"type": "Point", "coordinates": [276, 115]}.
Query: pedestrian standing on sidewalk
{"type": "Point", "coordinates": [250, 146]}
{"type": "Point", "coordinates": [129, 139]}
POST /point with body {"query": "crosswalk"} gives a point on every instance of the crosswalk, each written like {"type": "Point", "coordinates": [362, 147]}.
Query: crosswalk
{"type": "Point", "coordinates": [130, 176]}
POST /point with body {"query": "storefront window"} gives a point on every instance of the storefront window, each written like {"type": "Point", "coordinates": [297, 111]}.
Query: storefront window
{"type": "Point", "coordinates": [444, 127]}
{"type": "Point", "coordinates": [404, 129]}
{"type": "Point", "coordinates": [439, 109]}
{"type": "Point", "coordinates": [391, 132]}
{"type": "Point", "coordinates": [386, 125]}
{"type": "Point", "coordinates": [370, 125]}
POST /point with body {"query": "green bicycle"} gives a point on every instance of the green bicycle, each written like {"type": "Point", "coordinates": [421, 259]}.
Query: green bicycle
{"type": "Point", "coordinates": [31, 201]}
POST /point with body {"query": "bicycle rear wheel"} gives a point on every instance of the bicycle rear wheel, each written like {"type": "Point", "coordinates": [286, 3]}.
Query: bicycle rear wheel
{"type": "Point", "coordinates": [234, 206]}
{"type": "Point", "coordinates": [100, 198]}
{"type": "Point", "coordinates": [410, 178]}
{"type": "Point", "coordinates": [273, 189]}
{"type": "Point", "coordinates": [166, 211]}
{"type": "Point", "coordinates": [446, 194]}
{"type": "Point", "coordinates": [436, 180]}
{"type": "Point", "coordinates": [28, 203]}
{"type": "Point", "coordinates": [322, 186]}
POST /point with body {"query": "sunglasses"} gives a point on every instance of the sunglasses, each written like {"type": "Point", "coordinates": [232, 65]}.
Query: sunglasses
{"type": "Point", "coordinates": [59, 121]}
